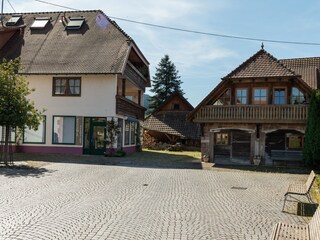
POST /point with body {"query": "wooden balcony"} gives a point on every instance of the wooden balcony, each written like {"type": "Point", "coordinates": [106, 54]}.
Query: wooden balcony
{"type": "Point", "coordinates": [129, 108]}
{"type": "Point", "coordinates": [253, 114]}
{"type": "Point", "coordinates": [135, 76]}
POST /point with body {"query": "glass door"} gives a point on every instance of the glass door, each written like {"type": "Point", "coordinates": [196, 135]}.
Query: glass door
{"type": "Point", "coordinates": [94, 136]}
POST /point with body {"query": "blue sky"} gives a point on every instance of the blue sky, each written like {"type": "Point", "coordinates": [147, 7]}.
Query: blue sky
{"type": "Point", "coordinates": [203, 60]}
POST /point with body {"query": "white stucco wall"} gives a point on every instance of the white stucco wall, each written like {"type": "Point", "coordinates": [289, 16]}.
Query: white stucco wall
{"type": "Point", "coordinates": [97, 98]}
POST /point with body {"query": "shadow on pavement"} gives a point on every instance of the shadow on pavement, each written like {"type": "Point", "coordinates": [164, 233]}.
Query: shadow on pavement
{"type": "Point", "coordinates": [306, 209]}
{"type": "Point", "coordinates": [144, 159]}
{"type": "Point", "coordinates": [261, 168]}
{"type": "Point", "coordinates": [23, 171]}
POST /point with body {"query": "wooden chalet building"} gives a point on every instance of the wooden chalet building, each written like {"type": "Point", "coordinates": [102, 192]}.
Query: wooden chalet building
{"type": "Point", "coordinates": [260, 106]}
{"type": "Point", "coordinates": [168, 123]}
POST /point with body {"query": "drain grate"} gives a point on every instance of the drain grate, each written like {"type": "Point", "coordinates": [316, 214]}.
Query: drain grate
{"type": "Point", "coordinates": [239, 188]}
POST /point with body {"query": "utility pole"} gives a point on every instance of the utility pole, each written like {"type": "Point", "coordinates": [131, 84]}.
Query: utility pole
{"type": "Point", "coordinates": [2, 12]}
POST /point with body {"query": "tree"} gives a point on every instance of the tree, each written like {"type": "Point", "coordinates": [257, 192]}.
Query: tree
{"type": "Point", "coordinates": [165, 82]}
{"type": "Point", "coordinates": [16, 110]}
{"type": "Point", "coordinates": [311, 150]}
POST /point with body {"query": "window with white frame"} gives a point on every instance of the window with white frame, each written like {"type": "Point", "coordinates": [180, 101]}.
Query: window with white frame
{"type": "Point", "coordinates": [35, 136]}
{"type": "Point", "coordinates": [64, 128]}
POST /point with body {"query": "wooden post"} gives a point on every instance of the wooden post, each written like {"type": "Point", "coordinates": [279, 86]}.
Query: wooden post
{"type": "Point", "coordinates": [139, 97]}
{"type": "Point", "coordinates": [123, 87]}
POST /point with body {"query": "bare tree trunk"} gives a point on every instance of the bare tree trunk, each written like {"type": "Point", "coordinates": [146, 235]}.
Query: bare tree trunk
{"type": "Point", "coordinates": [6, 145]}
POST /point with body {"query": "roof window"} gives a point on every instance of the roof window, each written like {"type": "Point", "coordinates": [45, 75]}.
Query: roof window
{"type": "Point", "coordinates": [75, 23]}
{"type": "Point", "coordinates": [13, 20]}
{"type": "Point", "coordinates": [40, 23]}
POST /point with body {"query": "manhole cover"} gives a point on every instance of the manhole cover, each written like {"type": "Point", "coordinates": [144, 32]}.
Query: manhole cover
{"type": "Point", "coordinates": [239, 188]}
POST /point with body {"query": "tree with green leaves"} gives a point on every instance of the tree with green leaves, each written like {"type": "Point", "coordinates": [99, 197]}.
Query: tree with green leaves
{"type": "Point", "coordinates": [311, 150]}
{"type": "Point", "coordinates": [16, 110]}
{"type": "Point", "coordinates": [165, 82]}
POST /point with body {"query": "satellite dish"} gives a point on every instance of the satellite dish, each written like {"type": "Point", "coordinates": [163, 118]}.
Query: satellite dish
{"type": "Point", "coordinates": [102, 21]}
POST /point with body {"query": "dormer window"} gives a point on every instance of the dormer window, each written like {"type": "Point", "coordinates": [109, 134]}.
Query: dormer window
{"type": "Point", "coordinates": [75, 23]}
{"type": "Point", "coordinates": [40, 23]}
{"type": "Point", "coordinates": [14, 20]}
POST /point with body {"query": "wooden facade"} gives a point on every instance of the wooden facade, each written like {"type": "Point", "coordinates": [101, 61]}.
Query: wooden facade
{"type": "Point", "coordinates": [260, 106]}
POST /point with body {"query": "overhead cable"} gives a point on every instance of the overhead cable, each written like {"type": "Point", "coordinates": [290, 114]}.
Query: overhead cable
{"type": "Point", "coordinates": [197, 32]}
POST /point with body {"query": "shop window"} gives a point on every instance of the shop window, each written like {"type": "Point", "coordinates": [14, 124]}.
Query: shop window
{"type": "Point", "coordinates": [130, 132]}
{"type": "Point", "coordinates": [35, 136]}
{"type": "Point", "coordinates": [64, 130]}
{"type": "Point", "coordinates": [12, 135]}
{"type": "Point", "coordinates": [222, 139]}
{"type": "Point", "coordinates": [126, 133]}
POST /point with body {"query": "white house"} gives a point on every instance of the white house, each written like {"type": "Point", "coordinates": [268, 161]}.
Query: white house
{"type": "Point", "coordinates": [85, 69]}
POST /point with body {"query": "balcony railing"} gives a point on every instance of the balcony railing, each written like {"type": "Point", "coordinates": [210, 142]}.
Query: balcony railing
{"type": "Point", "coordinates": [135, 76]}
{"type": "Point", "coordinates": [128, 108]}
{"type": "Point", "coordinates": [253, 113]}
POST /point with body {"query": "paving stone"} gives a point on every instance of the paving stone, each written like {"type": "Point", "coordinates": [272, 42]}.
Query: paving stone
{"type": "Point", "coordinates": [90, 201]}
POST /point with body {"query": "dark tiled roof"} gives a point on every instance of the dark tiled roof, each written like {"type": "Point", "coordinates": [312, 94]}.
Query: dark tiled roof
{"type": "Point", "coordinates": [260, 65]}
{"type": "Point", "coordinates": [174, 123]}
{"type": "Point", "coordinates": [54, 50]}
{"type": "Point", "coordinates": [308, 68]}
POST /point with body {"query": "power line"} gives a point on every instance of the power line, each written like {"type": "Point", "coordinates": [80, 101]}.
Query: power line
{"type": "Point", "coordinates": [57, 5]}
{"type": "Point", "coordinates": [11, 6]}
{"type": "Point", "coordinates": [197, 32]}
{"type": "Point", "coordinates": [216, 34]}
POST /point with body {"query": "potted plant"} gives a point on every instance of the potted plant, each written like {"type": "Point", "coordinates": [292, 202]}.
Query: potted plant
{"type": "Point", "coordinates": [205, 158]}
{"type": "Point", "coordinates": [257, 160]}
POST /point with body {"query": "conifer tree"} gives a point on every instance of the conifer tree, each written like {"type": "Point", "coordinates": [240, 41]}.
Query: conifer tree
{"type": "Point", "coordinates": [311, 150]}
{"type": "Point", "coordinates": [165, 82]}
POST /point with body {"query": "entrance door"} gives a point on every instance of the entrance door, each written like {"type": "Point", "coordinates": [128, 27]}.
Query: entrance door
{"type": "Point", "coordinates": [241, 144]}
{"type": "Point", "coordinates": [95, 135]}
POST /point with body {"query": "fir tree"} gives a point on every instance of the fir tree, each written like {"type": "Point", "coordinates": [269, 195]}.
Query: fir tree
{"type": "Point", "coordinates": [311, 150]}
{"type": "Point", "coordinates": [165, 82]}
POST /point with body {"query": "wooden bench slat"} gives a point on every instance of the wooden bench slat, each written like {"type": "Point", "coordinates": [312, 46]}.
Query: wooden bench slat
{"type": "Point", "coordinates": [311, 231]}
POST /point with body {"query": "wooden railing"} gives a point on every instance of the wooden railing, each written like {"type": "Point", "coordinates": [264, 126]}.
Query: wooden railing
{"type": "Point", "coordinates": [253, 113]}
{"type": "Point", "coordinates": [135, 76]}
{"type": "Point", "coordinates": [129, 108]}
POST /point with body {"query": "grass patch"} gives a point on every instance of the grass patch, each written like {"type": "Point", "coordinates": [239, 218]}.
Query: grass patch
{"type": "Point", "coordinates": [315, 191]}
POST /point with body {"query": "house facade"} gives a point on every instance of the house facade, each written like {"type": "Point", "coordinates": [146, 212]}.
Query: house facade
{"type": "Point", "coordinates": [260, 106]}
{"type": "Point", "coordinates": [85, 70]}
{"type": "Point", "coordinates": [168, 123]}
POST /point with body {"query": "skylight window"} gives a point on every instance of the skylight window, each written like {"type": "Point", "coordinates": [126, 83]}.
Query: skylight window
{"type": "Point", "coordinates": [13, 20]}
{"type": "Point", "coordinates": [75, 23]}
{"type": "Point", "coordinates": [40, 23]}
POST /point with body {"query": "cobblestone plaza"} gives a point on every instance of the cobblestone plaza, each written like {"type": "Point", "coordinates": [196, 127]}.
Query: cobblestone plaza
{"type": "Point", "coordinates": [93, 201]}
